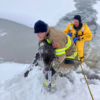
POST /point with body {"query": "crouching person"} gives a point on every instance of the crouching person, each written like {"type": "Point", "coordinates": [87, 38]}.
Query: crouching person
{"type": "Point", "coordinates": [65, 50]}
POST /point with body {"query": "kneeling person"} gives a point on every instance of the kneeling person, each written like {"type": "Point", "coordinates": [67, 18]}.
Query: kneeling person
{"type": "Point", "coordinates": [65, 49]}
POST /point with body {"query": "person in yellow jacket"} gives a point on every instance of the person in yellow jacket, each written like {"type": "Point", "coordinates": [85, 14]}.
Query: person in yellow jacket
{"type": "Point", "coordinates": [65, 49]}
{"type": "Point", "coordinates": [80, 33]}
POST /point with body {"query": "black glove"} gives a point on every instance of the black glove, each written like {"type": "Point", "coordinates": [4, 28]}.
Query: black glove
{"type": "Point", "coordinates": [26, 73]}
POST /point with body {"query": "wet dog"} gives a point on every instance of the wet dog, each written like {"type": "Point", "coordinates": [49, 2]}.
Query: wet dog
{"type": "Point", "coordinates": [44, 57]}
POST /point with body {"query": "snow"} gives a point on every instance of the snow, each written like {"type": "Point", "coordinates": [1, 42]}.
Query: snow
{"type": "Point", "coordinates": [31, 88]}
{"type": "Point", "coordinates": [9, 69]}
{"type": "Point", "coordinates": [97, 8]}
{"type": "Point", "coordinates": [27, 12]}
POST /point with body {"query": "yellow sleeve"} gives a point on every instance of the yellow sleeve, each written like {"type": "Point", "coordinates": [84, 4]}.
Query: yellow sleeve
{"type": "Point", "coordinates": [67, 28]}
{"type": "Point", "coordinates": [87, 35]}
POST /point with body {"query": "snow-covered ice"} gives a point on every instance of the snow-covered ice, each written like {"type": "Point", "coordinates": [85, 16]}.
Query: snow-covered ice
{"type": "Point", "coordinates": [31, 87]}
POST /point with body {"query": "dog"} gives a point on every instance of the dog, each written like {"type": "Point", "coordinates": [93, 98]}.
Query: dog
{"type": "Point", "coordinates": [45, 54]}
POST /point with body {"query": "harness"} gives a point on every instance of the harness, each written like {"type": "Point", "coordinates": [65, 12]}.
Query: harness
{"type": "Point", "coordinates": [77, 30]}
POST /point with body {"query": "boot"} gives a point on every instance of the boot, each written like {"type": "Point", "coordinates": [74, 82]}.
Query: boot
{"type": "Point", "coordinates": [51, 88]}
{"type": "Point", "coordinates": [81, 59]}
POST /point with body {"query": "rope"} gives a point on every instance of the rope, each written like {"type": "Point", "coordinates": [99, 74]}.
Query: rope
{"type": "Point", "coordinates": [86, 82]}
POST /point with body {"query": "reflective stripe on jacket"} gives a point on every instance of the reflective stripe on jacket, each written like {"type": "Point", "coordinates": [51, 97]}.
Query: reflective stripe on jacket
{"type": "Point", "coordinates": [62, 51]}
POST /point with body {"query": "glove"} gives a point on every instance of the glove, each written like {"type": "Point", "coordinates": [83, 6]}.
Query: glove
{"type": "Point", "coordinates": [70, 34]}
{"type": "Point", "coordinates": [76, 38]}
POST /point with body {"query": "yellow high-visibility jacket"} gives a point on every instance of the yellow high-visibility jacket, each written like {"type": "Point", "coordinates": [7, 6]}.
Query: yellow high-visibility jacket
{"type": "Point", "coordinates": [84, 33]}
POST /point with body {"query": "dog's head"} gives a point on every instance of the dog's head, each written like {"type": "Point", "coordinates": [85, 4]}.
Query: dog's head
{"type": "Point", "coordinates": [46, 53]}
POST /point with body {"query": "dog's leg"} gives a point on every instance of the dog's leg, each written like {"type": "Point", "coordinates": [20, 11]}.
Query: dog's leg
{"type": "Point", "coordinates": [34, 62]}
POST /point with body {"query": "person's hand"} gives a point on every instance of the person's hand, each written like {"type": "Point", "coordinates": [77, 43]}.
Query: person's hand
{"type": "Point", "coordinates": [70, 34]}
{"type": "Point", "coordinates": [75, 39]}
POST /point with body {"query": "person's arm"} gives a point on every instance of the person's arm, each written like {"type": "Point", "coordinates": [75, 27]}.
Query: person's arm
{"type": "Point", "coordinates": [67, 30]}
{"type": "Point", "coordinates": [87, 35]}
{"type": "Point", "coordinates": [60, 48]}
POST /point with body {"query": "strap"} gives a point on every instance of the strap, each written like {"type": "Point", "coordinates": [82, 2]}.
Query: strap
{"type": "Point", "coordinates": [69, 62]}
{"type": "Point", "coordinates": [77, 30]}
{"type": "Point", "coordinates": [82, 30]}
{"type": "Point", "coordinates": [76, 33]}
{"type": "Point", "coordinates": [70, 28]}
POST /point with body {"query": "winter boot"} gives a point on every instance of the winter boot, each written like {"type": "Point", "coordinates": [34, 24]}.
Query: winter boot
{"type": "Point", "coordinates": [51, 88]}
{"type": "Point", "coordinates": [81, 59]}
